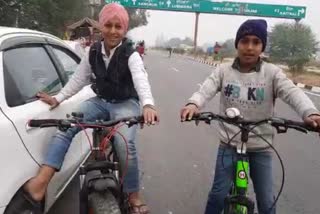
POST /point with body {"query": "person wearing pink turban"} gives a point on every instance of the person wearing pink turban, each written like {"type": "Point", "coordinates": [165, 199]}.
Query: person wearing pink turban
{"type": "Point", "coordinates": [121, 85]}
{"type": "Point", "coordinates": [114, 22]}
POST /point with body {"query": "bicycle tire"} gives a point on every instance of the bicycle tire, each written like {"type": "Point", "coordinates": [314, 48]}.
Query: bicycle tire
{"type": "Point", "coordinates": [103, 203]}
{"type": "Point", "coordinates": [233, 210]}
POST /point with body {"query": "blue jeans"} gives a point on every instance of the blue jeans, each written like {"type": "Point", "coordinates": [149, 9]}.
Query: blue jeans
{"type": "Point", "coordinates": [93, 109]}
{"type": "Point", "coordinates": [260, 173]}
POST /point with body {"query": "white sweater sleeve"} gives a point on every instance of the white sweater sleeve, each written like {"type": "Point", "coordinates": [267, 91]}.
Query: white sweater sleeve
{"type": "Point", "coordinates": [209, 88]}
{"type": "Point", "coordinates": [293, 96]}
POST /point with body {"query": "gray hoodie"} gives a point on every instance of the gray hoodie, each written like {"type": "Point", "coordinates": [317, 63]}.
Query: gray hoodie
{"type": "Point", "coordinates": [254, 95]}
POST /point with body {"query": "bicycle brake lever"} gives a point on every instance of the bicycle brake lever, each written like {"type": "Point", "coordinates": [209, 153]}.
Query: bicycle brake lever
{"type": "Point", "coordinates": [281, 129]}
{"type": "Point", "coordinates": [197, 122]}
{"type": "Point", "coordinates": [129, 124]}
{"type": "Point", "coordinates": [208, 121]}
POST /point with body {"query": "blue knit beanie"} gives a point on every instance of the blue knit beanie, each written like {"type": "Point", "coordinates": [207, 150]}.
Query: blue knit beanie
{"type": "Point", "coordinates": [257, 27]}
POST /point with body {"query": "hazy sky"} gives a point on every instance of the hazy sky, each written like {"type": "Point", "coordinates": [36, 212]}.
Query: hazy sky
{"type": "Point", "coordinates": [214, 27]}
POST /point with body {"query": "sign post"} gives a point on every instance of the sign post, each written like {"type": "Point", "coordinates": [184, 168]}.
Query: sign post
{"type": "Point", "coordinates": [195, 39]}
{"type": "Point", "coordinates": [221, 7]}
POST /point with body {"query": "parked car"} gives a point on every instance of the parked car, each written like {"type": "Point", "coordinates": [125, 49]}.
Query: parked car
{"type": "Point", "coordinates": [30, 62]}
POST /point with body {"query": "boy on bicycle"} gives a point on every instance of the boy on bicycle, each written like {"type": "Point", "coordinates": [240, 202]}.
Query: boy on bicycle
{"type": "Point", "coordinates": [252, 86]}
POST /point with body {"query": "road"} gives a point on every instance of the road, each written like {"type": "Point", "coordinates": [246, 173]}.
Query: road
{"type": "Point", "coordinates": [177, 159]}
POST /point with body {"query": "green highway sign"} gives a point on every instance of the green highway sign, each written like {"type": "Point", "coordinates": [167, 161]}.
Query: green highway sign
{"type": "Point", "coordinates": [218, 7]}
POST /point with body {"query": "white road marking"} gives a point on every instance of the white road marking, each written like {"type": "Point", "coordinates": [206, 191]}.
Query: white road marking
{"type": "Point", "coordinates": [176, 70]}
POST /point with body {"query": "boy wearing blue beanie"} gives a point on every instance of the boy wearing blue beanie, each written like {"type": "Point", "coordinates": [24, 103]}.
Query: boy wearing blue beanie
{"type": "Point", "coordinates": [250, 85]}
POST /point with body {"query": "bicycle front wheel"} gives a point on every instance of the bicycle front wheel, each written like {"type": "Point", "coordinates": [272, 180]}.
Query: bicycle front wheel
{"type": "Point", "coordinates": [233, 209]}
{"type": "Point", "coordinates": [103, 203]}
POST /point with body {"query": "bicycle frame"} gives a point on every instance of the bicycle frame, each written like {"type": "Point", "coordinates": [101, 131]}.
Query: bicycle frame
{"type": "Point", "coordinates": [103, 172]}
{"type": "Point", "coordinates": [238, 202]}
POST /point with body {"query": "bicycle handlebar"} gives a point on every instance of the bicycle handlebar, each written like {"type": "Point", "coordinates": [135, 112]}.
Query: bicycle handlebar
{"type": "Point", "coordinates": [68, 123]}
{"type": "Point", "coordinates": [280, 124]}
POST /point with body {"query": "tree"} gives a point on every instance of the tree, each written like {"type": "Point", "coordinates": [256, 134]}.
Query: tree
{"type": "Point", "coordinates": [138, 17]}
{"type": "Point", "coordinates": [293, 44]}
{"type": "Point", "coordinates": [228, 49]}
{"type": "Point", "coordinates": [188, 41]}
{"type": "Point", "coordinates": [53, 16]}
{"type": "Point", "coordinates": [44, 15]}
{"type": "Point", "coordinates": [12, 11]}
{"type": "Point", "coordinates": [174, 42]}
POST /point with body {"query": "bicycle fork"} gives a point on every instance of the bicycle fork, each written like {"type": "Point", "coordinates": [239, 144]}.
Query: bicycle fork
{"type": "Point", "coordinates": [238, 202]}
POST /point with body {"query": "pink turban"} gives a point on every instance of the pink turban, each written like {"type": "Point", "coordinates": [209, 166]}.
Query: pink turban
{"type": "Point", "coordinates": [111, 10]}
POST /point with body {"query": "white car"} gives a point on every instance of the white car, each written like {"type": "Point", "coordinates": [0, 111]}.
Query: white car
{"type": "Point", "coordinates": [30, 62]}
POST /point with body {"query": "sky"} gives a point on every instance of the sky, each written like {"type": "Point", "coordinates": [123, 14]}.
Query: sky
{"type": "Point", "coordinates": [214, 27]}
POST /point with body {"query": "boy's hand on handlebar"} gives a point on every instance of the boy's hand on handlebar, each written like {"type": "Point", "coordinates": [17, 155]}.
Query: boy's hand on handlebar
{"type": "Point", "coordinates": [150, 115]}
{"type": "Point", "coordinates": [189, 111]}
{"type": "Point", "coordinates": [313, 121]}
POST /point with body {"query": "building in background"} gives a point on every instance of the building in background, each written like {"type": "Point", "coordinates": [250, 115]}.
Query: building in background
{"type": "Point", "coordinates": [85, 28]}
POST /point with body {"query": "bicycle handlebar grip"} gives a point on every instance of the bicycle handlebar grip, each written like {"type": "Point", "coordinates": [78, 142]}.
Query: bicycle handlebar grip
{"type": "Point", "coordinates": [302, 125]}
{"type": "Point", "coordinates": [140, 119]}
{"type": "Point", "coordinates": [40, 123]}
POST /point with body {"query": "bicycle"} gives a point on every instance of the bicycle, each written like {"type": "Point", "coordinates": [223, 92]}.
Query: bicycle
{"type": "Point", "coordinates": [238, 201]}
{"type": "Point", "coordinates": [100, 176]}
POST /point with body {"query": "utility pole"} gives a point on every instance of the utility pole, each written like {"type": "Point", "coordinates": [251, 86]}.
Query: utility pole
{"type": "Point", "coordinates": [196, 32]}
